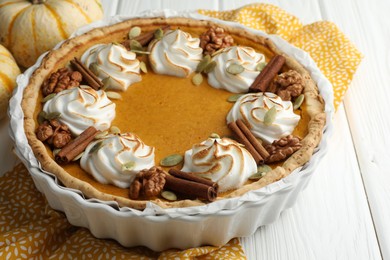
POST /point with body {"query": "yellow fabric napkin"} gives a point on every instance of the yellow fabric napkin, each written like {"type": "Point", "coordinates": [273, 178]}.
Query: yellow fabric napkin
{"type": "Point", "coordinates": [29, 228]}
{"type": "Point", "coordinates": [334, 54]}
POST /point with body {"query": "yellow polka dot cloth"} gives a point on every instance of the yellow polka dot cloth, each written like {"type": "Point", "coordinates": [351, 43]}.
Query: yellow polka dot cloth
{"type": "Point", "coordinates": [30, 229]}
{"type": "Point", "coordinates": [333, 53]}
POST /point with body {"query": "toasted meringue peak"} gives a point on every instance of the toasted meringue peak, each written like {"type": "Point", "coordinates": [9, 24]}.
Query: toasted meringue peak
{"type": "Point", "coordinates": [82, 107]}
{"type": "Point", "coordinates": [114, 61]}
{"type": "Point", "coordinates": [247, 57]}
{"type": "Point", "coordinates": [222, 160]}
{"type": "Point", "coordinates": [117, 158]}
{"type": "Point", "coordinates": [251, 108]}
{"type": "Point", "coordinates": [176, 54]}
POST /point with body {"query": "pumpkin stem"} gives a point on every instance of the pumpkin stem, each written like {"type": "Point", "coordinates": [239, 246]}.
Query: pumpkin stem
{"type": "Point", "coordinates": [37, 2]}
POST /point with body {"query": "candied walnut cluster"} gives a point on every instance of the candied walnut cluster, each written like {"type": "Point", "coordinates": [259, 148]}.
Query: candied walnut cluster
{"type": "Point", "coordinates": [214, 39]}
{"type": "Point", "coordinates": [287, 85]}
{"type": "Point", "coordinates": [148, 183]}
{"type": "Point", "coordinates": [54, 133]}
{"type": "Point", "coordinates": [60, 80]}
{"type": "Point", "coordinates": [283, 148]}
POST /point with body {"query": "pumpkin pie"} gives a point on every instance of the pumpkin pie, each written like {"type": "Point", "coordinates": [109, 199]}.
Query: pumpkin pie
{"type": "Point", "coordinates": [175, 111]}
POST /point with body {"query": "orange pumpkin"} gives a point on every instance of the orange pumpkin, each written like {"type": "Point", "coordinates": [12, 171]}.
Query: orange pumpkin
{"type": "Point", "coordinates": [30, 27]}
{"type": "Point", "coordinates": [8, 72]}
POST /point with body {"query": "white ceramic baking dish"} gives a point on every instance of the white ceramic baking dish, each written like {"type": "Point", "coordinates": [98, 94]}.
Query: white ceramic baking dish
{"type": "Point", "coordinates": [160, 229]}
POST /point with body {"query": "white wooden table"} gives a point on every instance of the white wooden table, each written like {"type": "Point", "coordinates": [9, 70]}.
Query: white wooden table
{"type": "Point", "coordinates": [345, 210]}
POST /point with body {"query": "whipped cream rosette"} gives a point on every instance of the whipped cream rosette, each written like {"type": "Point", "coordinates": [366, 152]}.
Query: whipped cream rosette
{"type": "Point", "coordinates": [251, 108]}
{"type": "Point", "coordinates": [114, 61]}
{"type": "Point", "coordinates": [248, 58]}
{"type": "Point", "coordinates": [82, 107]}
{"type": "Point", "coordinates": [117, 158]}
{"type": "Point", "coordinates": [176, 54]}
{"type": "Point", "coordinates": [222, 160]}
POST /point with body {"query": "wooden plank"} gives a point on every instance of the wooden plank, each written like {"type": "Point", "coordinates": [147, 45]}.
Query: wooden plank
{"type": "Point", "coordinates": [7, 158]}
{"type": "Point", "coordinates": [110, 7]}
{"type": "Point", "coordinates": [331, 219]}
{"type": "Point", "coordinates": [135, 7]}
{"type": "Point", "coordinates": [366, 102]}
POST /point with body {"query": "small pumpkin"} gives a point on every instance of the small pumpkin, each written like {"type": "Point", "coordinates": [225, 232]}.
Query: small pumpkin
{"type": "Point", "coordinates": [30, 27]}
{"type": "Point", "coordinates": [8, 72]}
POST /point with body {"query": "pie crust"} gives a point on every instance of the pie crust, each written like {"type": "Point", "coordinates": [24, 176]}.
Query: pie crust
{"type": "Point", "coordinates": [314, 106]}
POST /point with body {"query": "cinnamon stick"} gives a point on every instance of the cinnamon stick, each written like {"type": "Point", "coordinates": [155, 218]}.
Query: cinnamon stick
{"type": "Point", "coordinates": [91, 79]}
{"type": "Point", "coordinates": [144, 39]}
{"type": "Point", "coordinates": [190, 188]}
{"type": "Point", "coordinates": [244, 140]}
{"type": "Point", "coordinates": [76, 146]}
{"type": "Point", "coordinates": [193, 177]}
{"type": "Point", "coordinates": [252, 139]}
{"type": "Point", "coordinates": [265, 77]}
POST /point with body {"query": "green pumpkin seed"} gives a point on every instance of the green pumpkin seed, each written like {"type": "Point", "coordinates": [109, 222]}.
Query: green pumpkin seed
{"type": "Point", "coordinates": [115, 130]}
{"type": "Point", "coordinates": [101, 135]}
{"type": "Point", "coordinates": [94, 68]}
{"type": "Point", "coordinates": [206, 177]}
{"type": "Point", "coordinates": [203, 63]}
{"type": "Point", "coordinates": [264, 168]}
{"type": "Point", "coordinates": [214, 136]}
{"type": "Point", "coordinates": [107, 82]}
{"type": "Point", "coordinates": [260, 66]}
{"type": "Point", "coordinates": [113, 95]}
{"type": "Point", "coordinates": [96, 147]}
{"type": "Point", "coordinates": [234, 98]}
{"type": "Point", "coordinates": [158, 34]}
{"type": "Point", "coordinates": [55, 152]}
{"type": "Point", "coordinates": [235, 69]}
{"type": "Point", "coordinates": [217, 52]}
{"type": "Point", "coordinates": [141, 52]}
{"type": "Point", "coordinates": [128, 166]}
{"type": "Point", "coordinates": [210, 67]}
{"type": "Point", "coordinates": [257, 176]}
{"type": "Point", "coordinates": [78, 157]}
{"type": "Point", "coordinates": [197, 79]}
{"type": "Point", "coordinates": [270, 116]}
{"type": "Point", "coordinates": [48, 97]}
{"type": "Point", "coordinates": [143, 68]}
{"type": "Point", "coordinates": [134, 32]}
{"type": "Point", "coordinates": [135, 45]}
{"type": "Point", "coordinates": [53, 115]}
{"type": "Point", "coordinates": [169, 195]}
{"type": "Point", "coordinates": [41, 117]}
{"type": "Point", "coordinates": [298, 102]}
{"type": "Point", "coordinates": [171, 160]}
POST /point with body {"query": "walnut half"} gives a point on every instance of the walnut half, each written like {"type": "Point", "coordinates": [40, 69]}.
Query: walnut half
{"type": "Point", "coordinates": [148, 183]}
{"type": "Point", "coordinates": [283, 148]}
{"type": "Point", "coordinates": [54, 133]}
{"type": "Point", "coordinates": [214, 39]}
{"type": "Point", "coordinates": [60, 80]}
{"type": "Point", "coordinates": [287, 85]}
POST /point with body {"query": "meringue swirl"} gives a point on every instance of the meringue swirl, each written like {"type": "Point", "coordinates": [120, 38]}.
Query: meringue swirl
{"type": "Point", "coordinates": [238, 83]}
{"type": "Point", "coordinates": [114, 61]}
{"type": "Point", "coordinates": [223, 160]}
{"type": "Point", "coordinates": [251, 108]}
{"type": "Point", "coordinates": [82, 107]}
{"type": "Point", "coordinates": [117, 158]}
{"type": "Point", "coordinates": [176, 54]}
